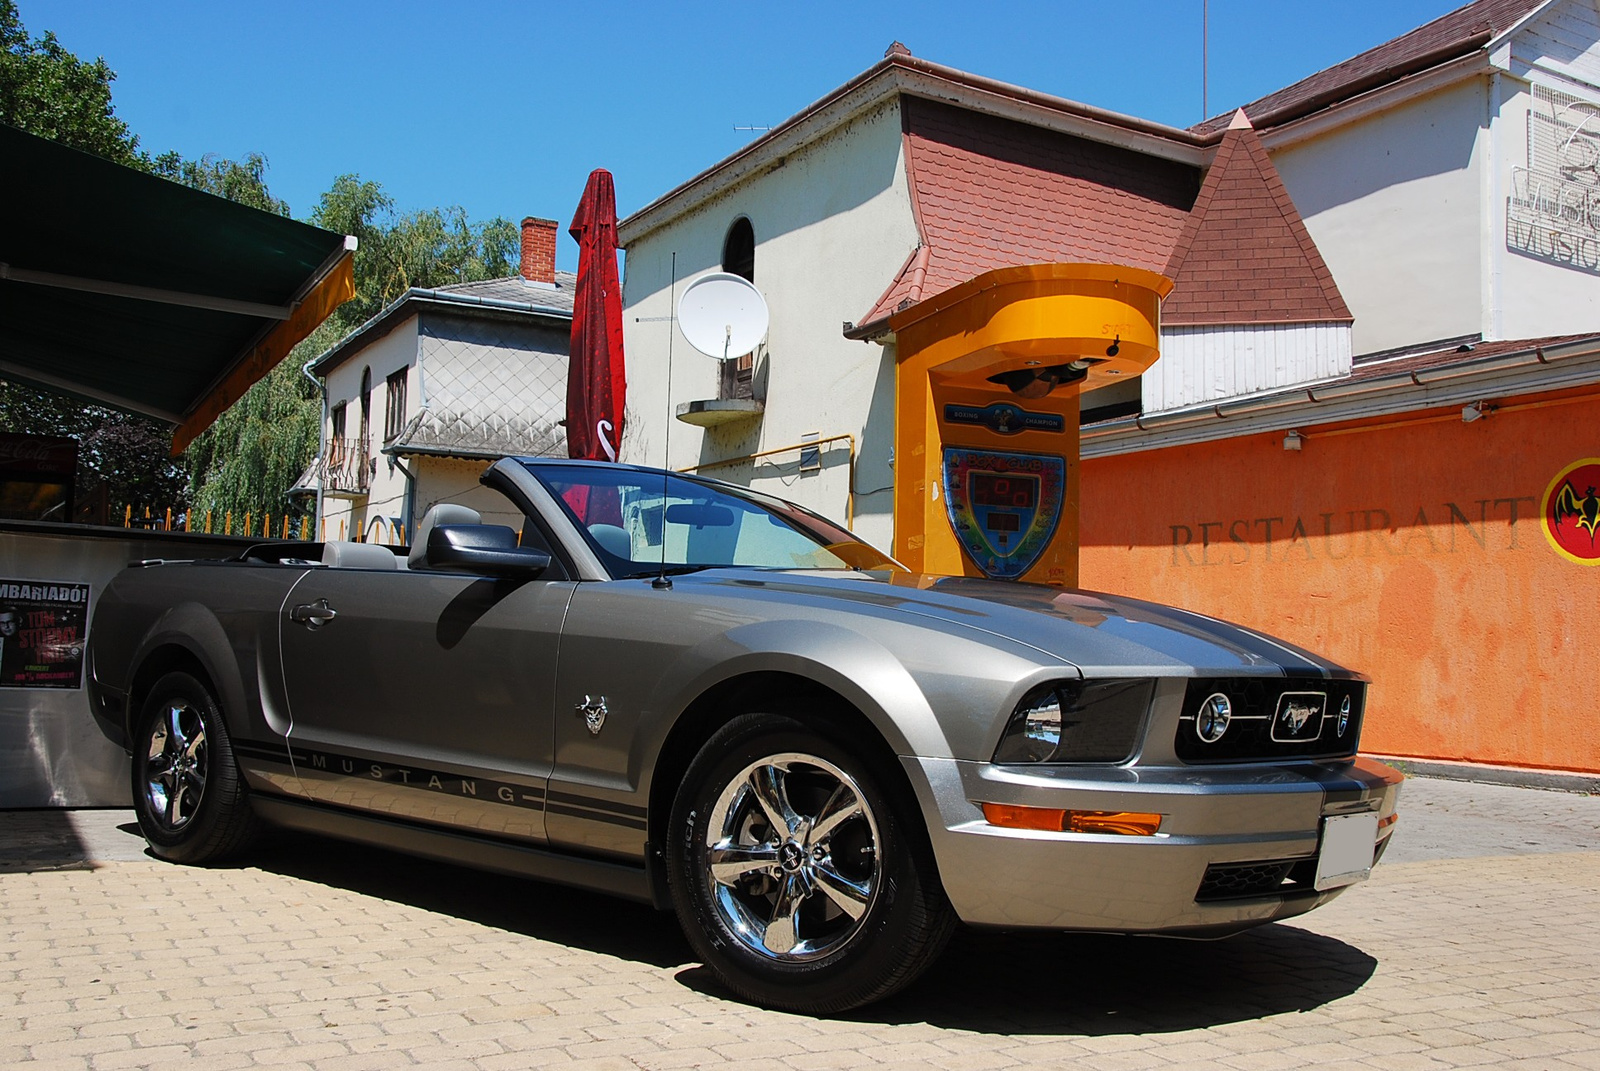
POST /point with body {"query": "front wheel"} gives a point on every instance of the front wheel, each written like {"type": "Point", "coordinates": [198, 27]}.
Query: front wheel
{"type": "Point", "coordinates": [796, 872]}
{"type": "Point", "coordinates": [187, 792]}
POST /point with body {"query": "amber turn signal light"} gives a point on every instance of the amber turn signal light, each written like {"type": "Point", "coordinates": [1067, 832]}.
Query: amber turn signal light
{"type": "Point", "coordinates": [1385, 823]}
{"type": "Point", "coordinates": [1124, 823]}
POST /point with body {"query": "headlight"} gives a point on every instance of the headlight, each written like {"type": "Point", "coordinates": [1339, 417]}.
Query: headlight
{"type": "Point", "coordinates": [1077, 721]}
{"type": "Point", "coordinates": [1213, 718]}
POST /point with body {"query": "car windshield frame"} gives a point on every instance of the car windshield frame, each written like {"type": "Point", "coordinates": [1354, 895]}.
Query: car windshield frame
{"type": "Point", "coordinates": [615, 507]}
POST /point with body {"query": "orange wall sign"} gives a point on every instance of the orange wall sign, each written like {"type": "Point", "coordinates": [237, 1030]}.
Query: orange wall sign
{"type": "Point", "coordinates": [1446, 561]}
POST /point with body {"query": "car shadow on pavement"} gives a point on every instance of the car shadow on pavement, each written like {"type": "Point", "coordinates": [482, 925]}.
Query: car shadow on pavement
{"type": "Point", "coordinates": [985, 982]}
{"type": "Point", "coordinates": [538, 909]}
{"type": "Point", "coordinates": [1100, 984]}
{"type": "Point", "coordinates": [1095, 985]}
{"type": "Point", "coordinates": [50, 838]}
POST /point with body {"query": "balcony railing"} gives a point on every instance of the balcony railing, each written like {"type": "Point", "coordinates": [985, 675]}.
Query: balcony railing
{"type": "Point", "coordinates": [346, 467]}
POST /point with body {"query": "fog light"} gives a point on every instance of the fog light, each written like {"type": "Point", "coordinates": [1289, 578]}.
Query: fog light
{"type": "Point", "coordinates": [1123, 823]}
{"type": "Point", "coordinates": [1127, 823]}
{"type": "Point", "coordinates": [1213, 717]}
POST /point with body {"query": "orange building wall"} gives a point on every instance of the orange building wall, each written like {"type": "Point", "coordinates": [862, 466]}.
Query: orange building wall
{"type": "Point", "coordinates": [1410, 549]}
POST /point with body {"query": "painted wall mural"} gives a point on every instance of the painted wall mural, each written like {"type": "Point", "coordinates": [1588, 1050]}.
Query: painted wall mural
{"type": "Point", "coordinates": [1553, 212]}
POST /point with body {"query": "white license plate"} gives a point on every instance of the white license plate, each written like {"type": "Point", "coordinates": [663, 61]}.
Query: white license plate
{"type": "Point", "coordinates": [1348, 843]}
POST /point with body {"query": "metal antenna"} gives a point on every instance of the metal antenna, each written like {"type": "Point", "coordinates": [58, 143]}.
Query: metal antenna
{"type": "Point", "coordinates": [663, 582]}
{"type": "Point", "coordinates": [1205, 59]}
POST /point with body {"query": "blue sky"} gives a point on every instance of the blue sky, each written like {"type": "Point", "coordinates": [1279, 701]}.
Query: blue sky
{"type": "Point", "coordinates": [504, 107]}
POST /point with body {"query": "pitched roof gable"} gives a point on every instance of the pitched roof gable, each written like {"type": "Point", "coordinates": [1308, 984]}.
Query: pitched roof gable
{"type": "Point", "coordinates": [1244, 255]}
{"type": "Point", "coordinates": [1447, 37]}
{"type": "Point", "coordinates": [991, 193]}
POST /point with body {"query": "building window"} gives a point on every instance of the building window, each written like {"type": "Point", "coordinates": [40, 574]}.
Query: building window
{"type": "Point", "coordinates": [738, 257]}
{"type": "Point", "coordinates": [394, 412]}
{"type": "Point", "coordinates": [338, 422]}
{"type": "Point", "coordinates": [739, 250]}
{"type": "Point", "coordinates": [366, 409]}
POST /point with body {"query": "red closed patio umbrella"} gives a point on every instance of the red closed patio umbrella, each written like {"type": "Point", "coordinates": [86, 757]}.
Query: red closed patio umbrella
{"type": "Point", "coordinates": [596, 382]}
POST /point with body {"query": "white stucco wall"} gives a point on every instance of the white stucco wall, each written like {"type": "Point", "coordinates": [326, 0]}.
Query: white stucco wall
{"type": "Point", "coordinates": [455, 480]}
{"type": "Point", "coordinates": [833, 225]}
{"type": "Point", "coordinates": [1394, 204]}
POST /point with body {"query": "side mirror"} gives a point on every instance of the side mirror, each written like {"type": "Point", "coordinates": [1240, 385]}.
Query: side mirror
{"type": "Point", "coordinates": [485, 549]}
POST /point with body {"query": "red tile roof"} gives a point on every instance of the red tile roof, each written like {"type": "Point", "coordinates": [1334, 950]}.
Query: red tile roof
{"type": "Point", "coordinates": [1244, 255]}
{"type": "Point", "coordinates": [991, 193]}
{"type": "Point", "coordinates": [1458, 354]}
{"type": "Point", "coordinates": [1447, 37]}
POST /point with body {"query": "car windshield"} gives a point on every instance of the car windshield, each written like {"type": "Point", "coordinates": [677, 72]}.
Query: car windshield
{"type": "Point", "coordinates": [630, 515]}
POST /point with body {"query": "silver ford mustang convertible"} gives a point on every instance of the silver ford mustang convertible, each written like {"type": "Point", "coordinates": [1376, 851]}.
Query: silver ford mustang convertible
{"type": "Point", "coordinates": [676, 690]}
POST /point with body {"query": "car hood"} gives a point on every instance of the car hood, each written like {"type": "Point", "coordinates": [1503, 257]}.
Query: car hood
{"type": "Point", "coordinates": [1099, 633]}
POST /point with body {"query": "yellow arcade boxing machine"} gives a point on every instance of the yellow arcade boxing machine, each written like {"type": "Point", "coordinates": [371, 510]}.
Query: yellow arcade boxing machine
{"type": "Point", "coordinates": [987, 383]}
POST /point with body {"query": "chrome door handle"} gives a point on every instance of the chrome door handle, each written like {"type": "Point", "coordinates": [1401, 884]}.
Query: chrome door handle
{"type": "Point", "coordinates": [313, 616]}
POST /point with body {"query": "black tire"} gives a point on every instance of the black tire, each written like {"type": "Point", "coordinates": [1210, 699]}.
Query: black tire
{"type": "Point", "coordinates": [187, 791]}
{"type": "Point", "coordinates": [799, 921]}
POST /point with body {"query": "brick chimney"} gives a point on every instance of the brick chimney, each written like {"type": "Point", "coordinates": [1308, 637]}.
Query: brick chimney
{"type": "Point", "coordinates": [539, 250]}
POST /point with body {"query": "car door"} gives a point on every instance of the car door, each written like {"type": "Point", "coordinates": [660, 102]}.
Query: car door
{"type": "Point", "coordinates": [423, 695]}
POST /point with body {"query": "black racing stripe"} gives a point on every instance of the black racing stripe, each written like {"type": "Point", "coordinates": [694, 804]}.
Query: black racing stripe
{"type": "Point", "coordinates": [596, 816]}
{"type": "Point", "coordinates": [273, 753]}
{"type": "Point", "coordinates": [593, 804]}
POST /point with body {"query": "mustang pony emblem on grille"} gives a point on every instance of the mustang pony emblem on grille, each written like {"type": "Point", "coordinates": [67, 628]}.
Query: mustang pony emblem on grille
{"type": "Point", "coordinates": [594, 713]}
{"type": "Point", "coordinates": [1299, 716]}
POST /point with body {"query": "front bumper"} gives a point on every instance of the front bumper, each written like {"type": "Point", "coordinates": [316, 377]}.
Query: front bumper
{"type": "Point", "coordinates": [1211, 815]}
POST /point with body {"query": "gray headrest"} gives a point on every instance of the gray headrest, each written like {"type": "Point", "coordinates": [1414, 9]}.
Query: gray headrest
{"type": "Point", "coordinates": [443, 513]}
{"type": "Point", "coordinates": [613, 540]}
{"type": "Point", "coordinates": [341, 555]}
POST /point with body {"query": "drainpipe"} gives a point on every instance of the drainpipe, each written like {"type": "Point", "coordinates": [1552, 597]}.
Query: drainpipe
{"type": "Point", "coordinates": [322, 435]}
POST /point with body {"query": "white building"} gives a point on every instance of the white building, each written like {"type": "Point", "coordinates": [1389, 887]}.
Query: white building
{"type": "Point", "coordinates": [1447, 181]}
{"type": "Point", "coordinates": [419, 399]}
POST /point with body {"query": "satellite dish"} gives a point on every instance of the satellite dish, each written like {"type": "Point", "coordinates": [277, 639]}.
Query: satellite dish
{"type": "Point", "coordinates": [722, 315]}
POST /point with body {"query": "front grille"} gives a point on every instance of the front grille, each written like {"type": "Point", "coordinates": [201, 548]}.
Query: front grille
{"type": "Point", "coordinates": [1237, 881]}
{"type": "Point", "coordinates": [1257, 702]}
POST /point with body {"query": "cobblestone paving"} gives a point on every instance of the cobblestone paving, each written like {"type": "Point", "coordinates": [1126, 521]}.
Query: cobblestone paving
{"type": "Point", "coordinates": [321, 956]}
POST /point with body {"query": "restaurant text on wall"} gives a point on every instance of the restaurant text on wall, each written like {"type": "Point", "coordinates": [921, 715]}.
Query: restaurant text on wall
{"type": "Point", "coordinates": [1485, 525]}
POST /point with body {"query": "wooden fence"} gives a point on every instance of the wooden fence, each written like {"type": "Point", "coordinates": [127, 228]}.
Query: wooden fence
{"type": "Point", "coordinates": [263, 526]}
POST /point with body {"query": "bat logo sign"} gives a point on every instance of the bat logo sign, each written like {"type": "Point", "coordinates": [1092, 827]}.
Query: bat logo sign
{"type": "Point", "coordinates": [1571, 512]}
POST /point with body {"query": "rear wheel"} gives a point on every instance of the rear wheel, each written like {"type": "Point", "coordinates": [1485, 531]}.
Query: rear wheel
{"type": "Point", "coordinates": [187, 791]}
{"type": "Point", "coordinates": [796, 871]}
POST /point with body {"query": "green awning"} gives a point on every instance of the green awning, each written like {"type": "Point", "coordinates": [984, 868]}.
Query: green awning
{"type": "Point", "coordinates": [140, 293]}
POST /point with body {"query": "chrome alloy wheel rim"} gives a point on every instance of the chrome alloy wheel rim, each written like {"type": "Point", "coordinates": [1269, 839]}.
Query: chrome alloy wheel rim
{"type": "Point", "coordinates": [176, 765]}
{"type": "Point", "coordinates": [793, 857]}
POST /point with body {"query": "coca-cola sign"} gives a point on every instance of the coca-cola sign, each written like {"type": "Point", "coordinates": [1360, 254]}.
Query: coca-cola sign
{"type": "Point", "coordinates": [37, 455]}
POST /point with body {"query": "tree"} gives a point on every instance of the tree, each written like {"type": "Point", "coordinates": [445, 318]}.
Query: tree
{"type": "Point", "coordinates": [250, 458]}
{"type": "Point", "coordinates": [127, 454]}
{"type": "Point", "coordinates": [46, 90]}
{"type": "Point", "coordinates": [243, 181]}
{"type": "Point", "coordinates": [432, 247]}
{"type": "Point", "coordinates": [246, 462]}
